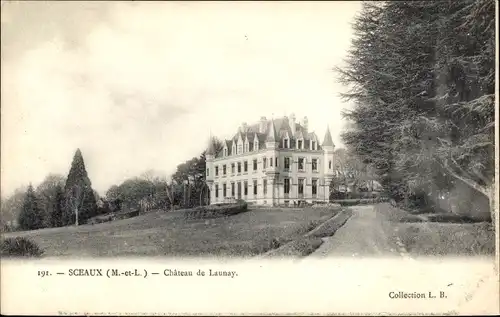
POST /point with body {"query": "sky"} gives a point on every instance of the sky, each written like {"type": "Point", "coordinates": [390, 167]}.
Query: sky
{"type": "Point", "coordinates": [142, 85]}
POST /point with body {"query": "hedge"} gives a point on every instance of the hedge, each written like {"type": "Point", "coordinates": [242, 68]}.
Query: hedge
{"type": "Point", "coordinates": [367, 201]}
{"type": "Point", "coordinates": [20, 246]}
{"type": "Point", "coordinates": [217, 210]}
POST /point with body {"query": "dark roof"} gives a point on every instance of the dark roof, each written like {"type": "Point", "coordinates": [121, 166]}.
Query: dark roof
{"type": "Point", "coordinates": [272, 136]}
{"type": "Point", "coordinates": [327, 141]}
{"type": "Point", "coordinates": [211, 148]}
{"type": "Point", "coordinates": [281, 127]}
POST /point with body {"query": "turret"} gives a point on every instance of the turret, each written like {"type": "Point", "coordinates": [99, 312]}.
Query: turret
{"type": "Point", "coordinates": [272, 139]}
{"type": "Point", "coordinates": [210, 156]}
{"type": "Point", "coordinates": [328, 148]}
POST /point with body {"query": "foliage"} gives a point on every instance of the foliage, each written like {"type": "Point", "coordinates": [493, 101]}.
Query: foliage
{"type": "Point", "coordinates": [31, 216]}
{"type": "Point", "coordinates": [192, 174]}
{"type": "Point", "coordinates": [218, 210]}
{"type": "Point", "coordinates": [354, 202]}
{"type": "Point", "coordinates": [421, 75]}
{"type": "Point", "coordinates": [20, 246]}
{"type": "Point", "coordinates": [11, 208]}
{"type": "Point", "coordinates": [50, 198]}
{"type": "Point", "coordinates": [79, 195]}
{"type": "Point", "coordinates": [57, 207]}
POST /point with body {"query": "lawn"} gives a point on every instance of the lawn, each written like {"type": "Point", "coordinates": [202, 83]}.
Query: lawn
{"type": "Point", "coordinates": [429, 238]}
{"type": "Point", "coordinates": [170, 234]}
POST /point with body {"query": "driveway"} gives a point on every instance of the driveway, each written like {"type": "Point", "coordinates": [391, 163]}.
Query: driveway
{"type": "Point", "coordinates": [368, 233]}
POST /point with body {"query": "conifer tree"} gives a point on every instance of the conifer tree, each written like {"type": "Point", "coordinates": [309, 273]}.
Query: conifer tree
{"type": "Point", "coordinates": [31, 216]}
{"type": "Point", "coordinates": [80, 203]}
{"type": "Point", "coordinates": [56, 216]}
{"type": "Point", "coordinates": [421, 76]}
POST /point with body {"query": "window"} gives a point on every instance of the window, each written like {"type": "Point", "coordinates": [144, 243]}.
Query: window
{"type": "Point", "coordinates": [301, 163]}
{"type": "Point", "coordinates": [232, 168]}
{"type": "Point", "coordinates": [276, 161]}
{"type": "Point", "coordinates": [216, 190]}
{"type": "Point", "coordinates": [264, 163]}
{"type": "Point", "coordinates": [232, 189]}
{"type": "Point", "coordinates": [240, 149]}
{"type": "Point", "coordinates": [225, 152]}
{"type": "Point", "coordinates": [285, 143]}
{"type": "Point", "coordinates": [255, 164]}
{"type": "Point", "coordinates": [224, 190]}
{"type": "Point", "coordinates": [239, 167]}
{"type": "Point", "coordinates": [314, 186]}
{"type": "Point", "coordinates": [314, 164]}
{"type": "Point", "coordinates": [271, 161]}
{"type": "Point", "coordinates": [286, 185]}
{"type": "Point", "coordinates": [287, 163]}
{"type": "Point", "coordinates": [234, 150]}
{"type": "Point", "coordinates": [313, 145]}
{"type": "Point", "coordinates": [256, 146]}
{"type": "Point", "coordinates": [255, 187]}
{"type": "Point", "coordinates": [264, 186]}
{"type": "Point", "coordinates": [299, 144]}
{"type": "Point", "coordinates": [246, 147]}
{"type": "Point", "coordinates": [208, 171]}
{"type": "Point", "coordinates": [245, 166]}
{"type": "Point", "coordinates": [330, 164]}
{"type": "Point", "coordinates": [245, 188]}
{"type": "Point", "coordinates": [301, 186]}
{"type": "Point", "coordinates": [224, 169]}
{"type": "Point", "coordinates": [216, 171]}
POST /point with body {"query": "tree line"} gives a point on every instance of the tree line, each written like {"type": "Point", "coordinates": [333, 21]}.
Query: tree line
{"type": "Point", "coordinates": [421, 76]}
{"type": "Point", "coordinates": [62, 201]}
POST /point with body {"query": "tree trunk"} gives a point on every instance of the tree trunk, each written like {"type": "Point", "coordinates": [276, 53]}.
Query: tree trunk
{"type": "Point", "coordinates": [491, 197]}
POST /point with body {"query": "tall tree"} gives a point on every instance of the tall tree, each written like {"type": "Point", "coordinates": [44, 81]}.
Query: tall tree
{"type": "Point", "coordinates": [421, 77]}
{"type": "Point", "coordinates": [57, 208]}
{"type": "Point", "coordinates": [31, 216]}
{"type": "Point", "coordinates": [80, 202]}
{"type": "Point", "coordinates": [46, 192]}
{"type": "Point", "coordinates": [11, 207]}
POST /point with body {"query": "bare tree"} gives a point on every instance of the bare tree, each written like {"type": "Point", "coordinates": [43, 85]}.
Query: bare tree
{"type": "Point", "coordinates": [76, 200]}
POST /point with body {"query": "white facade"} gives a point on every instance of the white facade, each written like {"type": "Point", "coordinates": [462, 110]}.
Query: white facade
{"type": "Point", "coordinates": [274, 162]}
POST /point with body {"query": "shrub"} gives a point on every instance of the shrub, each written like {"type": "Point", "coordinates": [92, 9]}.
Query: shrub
{"type": "Point", "coordinates": [329, 227]}
{"type": "Point", "coordinates": [20, 246]}
{"type": "Point", "coordinates": [218, 210]}
{"type": "Point", "coordinates": [367, 201]}
{"type": "Point", "coordinates": [450, 218]}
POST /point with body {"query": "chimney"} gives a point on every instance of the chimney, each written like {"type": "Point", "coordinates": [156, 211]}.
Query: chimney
{"type": "Point", "coordinates": [291, 122]}
{"type": "Point", "coordinates": [305, 124]}
{"type": "Point", "coordinates": [262, 125]}
{"type": "Point", "coordinates": [244, 127]}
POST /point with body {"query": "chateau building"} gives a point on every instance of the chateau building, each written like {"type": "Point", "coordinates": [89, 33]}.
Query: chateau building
{"type": "Point", "coordinates": [273, 162]}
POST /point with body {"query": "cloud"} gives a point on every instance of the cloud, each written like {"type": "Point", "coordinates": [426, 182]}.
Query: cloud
{"type": "Point", "coordinates": [139, 86]}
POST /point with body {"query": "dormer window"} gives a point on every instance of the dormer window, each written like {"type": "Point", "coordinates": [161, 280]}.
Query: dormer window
{"type": "Point", "coordinates": [240, 149]}
{"type": "Point", "coordinates": [300, 144]}
{"type": "Point", "coordinates": [225, 152]}
{"type": "Point", "coordinates": [285, 143]}
{"type": "Point", "coordinates": [313, 145]}
{"type": "Point", "coordinates": [234, 150]}
{"type": "Point", "coordinates": [256, 146]}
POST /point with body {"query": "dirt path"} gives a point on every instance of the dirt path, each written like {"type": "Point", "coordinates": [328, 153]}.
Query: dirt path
{"type": "Point", "coordinates": [367, 233]}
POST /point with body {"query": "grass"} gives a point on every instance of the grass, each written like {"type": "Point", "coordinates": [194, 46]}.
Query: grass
{"type": "Point", "coordinates": [448, 235]}
{"type": "Point", "coordinates": [448, 238]}
{"type": "Point", "coordinates": [170, 234]}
